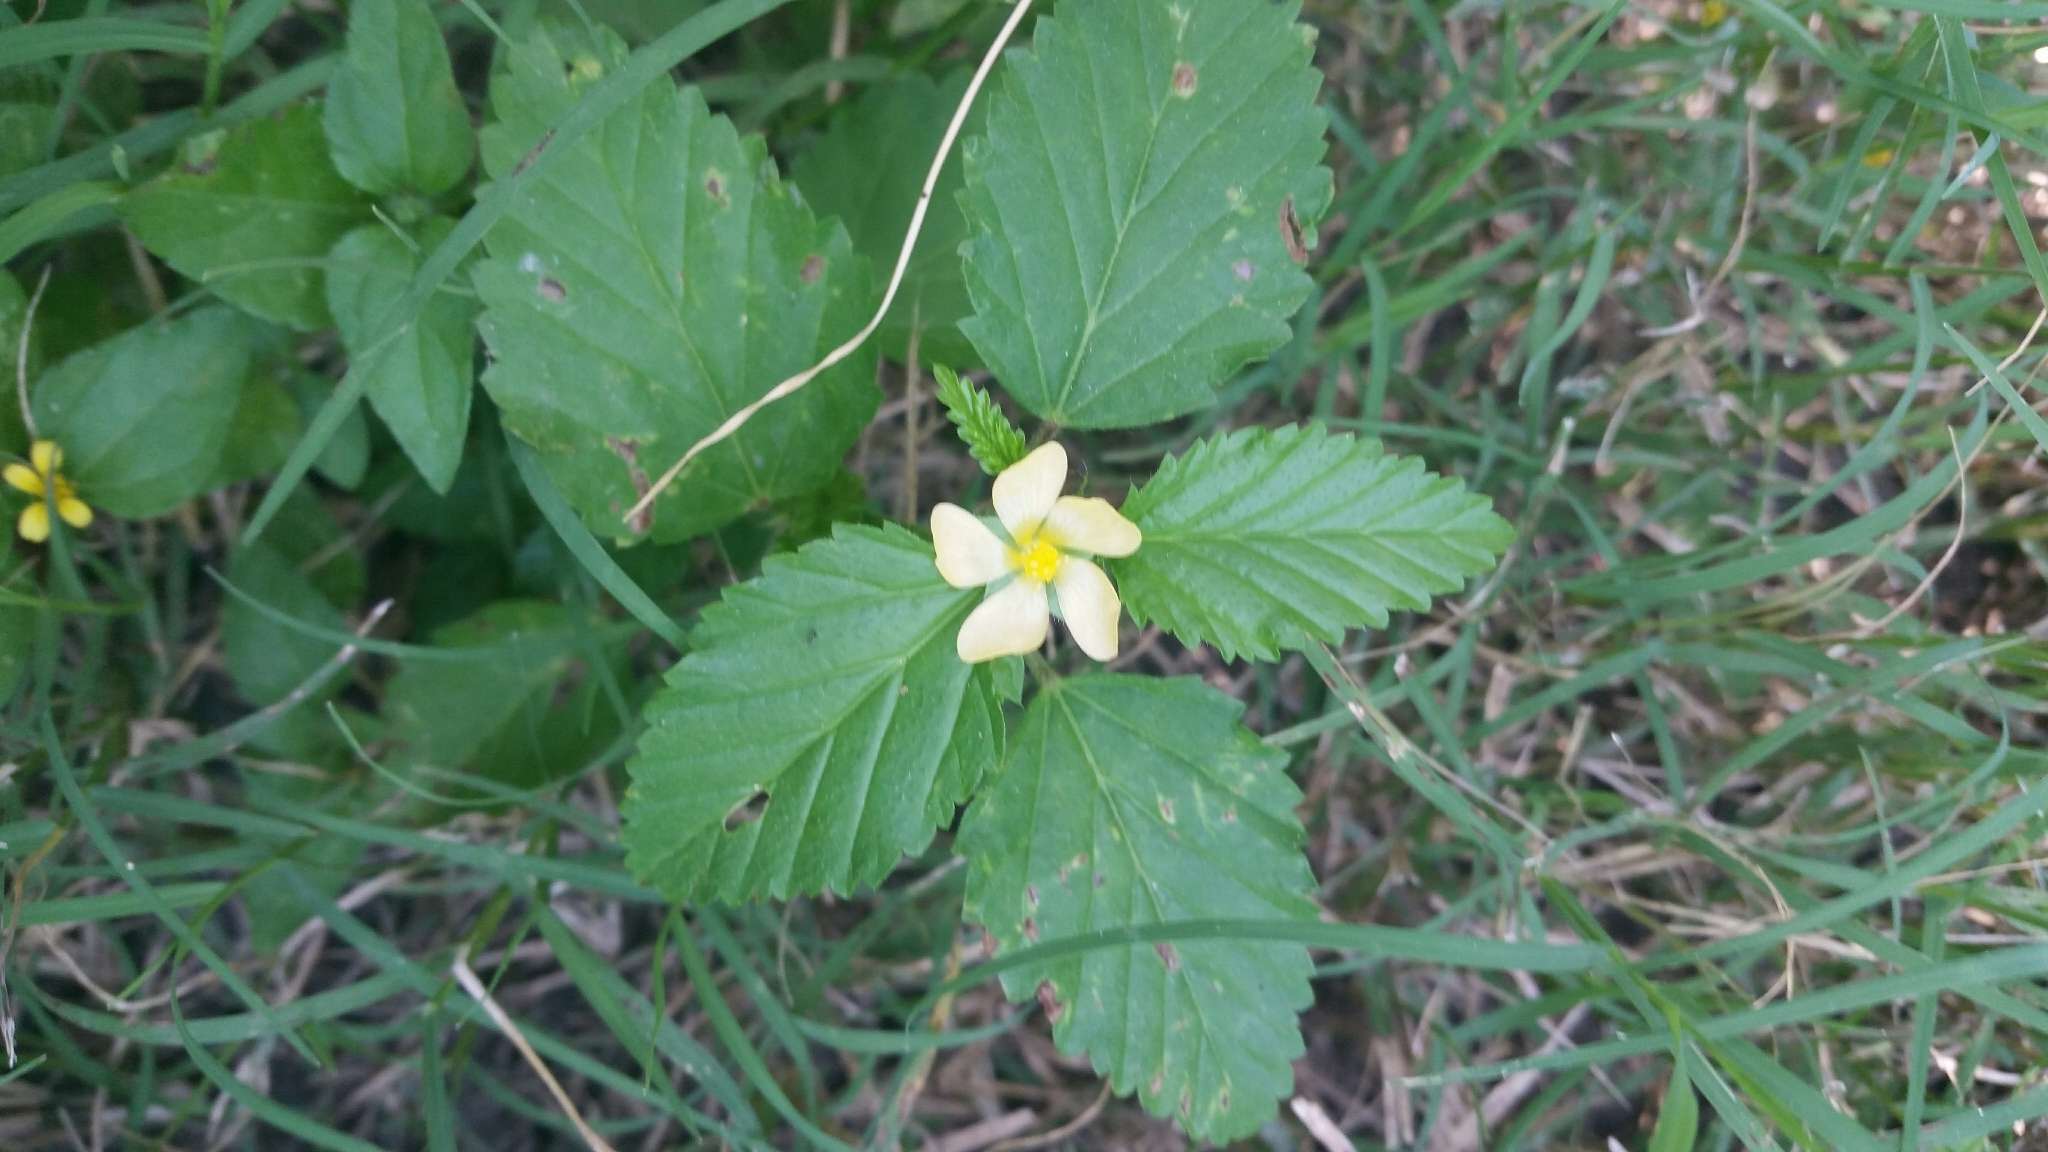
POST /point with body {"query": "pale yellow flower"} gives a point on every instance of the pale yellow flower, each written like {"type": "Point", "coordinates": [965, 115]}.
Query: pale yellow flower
{"type": "Point", "coordinates": [43, 478]}
{"type": "Point", "coordinates": [1052, 538]}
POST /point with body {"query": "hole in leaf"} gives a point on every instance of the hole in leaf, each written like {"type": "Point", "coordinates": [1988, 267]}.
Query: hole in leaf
{"type": "Point", "coordinates": [755, 807]}
{"type": "Point", "coordinates": [629, 451]}
{"type": "Point", "coordinates": [1049, 1001]}
{"type": "Point", "coordinates": [1185, 79]}
{"type": "Point", "coordinates": [1291, 232]}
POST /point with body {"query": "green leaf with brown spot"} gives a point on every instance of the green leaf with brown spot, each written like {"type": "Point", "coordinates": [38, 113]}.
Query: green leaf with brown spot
{"type": "Point", "coordinates": [1142, 203]}
{"type": "Point", "coordinates": [646, 288]}
{"type": "Point", "coordinates": [1132, 802]}
{"type": "Point", "coordinates": [820, 729]}
{"type": "Point", "coordinates": [256, 225]}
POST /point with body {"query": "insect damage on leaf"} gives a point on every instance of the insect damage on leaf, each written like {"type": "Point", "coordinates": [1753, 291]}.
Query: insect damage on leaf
{"type": "Point", "coordinates": [1157, 140]}
{"type": "Point", "coordinates": [668, 271]}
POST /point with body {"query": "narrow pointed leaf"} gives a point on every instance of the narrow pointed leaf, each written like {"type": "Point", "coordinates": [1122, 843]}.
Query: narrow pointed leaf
{"type": "Point", "coordinates": [820, 729]}
{"type": "Point", "coordinates": [395, 120]}
{"type": "Point", "coordinates": [1141, 204]}
{"type": "Point", "coordinates": [646, 288]}
{"type": "Point", "coordinates": [984, 427]}
{"type": "Point", "coordinates": [420, 382]}
{"type": "Point", "coordinates": [1132, 801]}
{"type": "Point", "coordinates": [1264, 540]}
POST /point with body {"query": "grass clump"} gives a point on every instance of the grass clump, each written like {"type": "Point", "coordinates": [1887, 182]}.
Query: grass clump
{"type": "Point", "coordinates": [1733, 309]}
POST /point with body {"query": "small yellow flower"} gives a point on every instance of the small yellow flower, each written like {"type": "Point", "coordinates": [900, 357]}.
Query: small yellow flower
{"type": "Point", "coordinates": [45, 481]}
{"type": "Point", "coordinates": [1712, 13]}
{"type": "Point", "coordinates": [1878, 157]}
{"type": "Point", "coordinates": [1051, 540]}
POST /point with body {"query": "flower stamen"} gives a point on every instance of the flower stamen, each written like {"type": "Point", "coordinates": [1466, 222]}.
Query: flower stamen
{"type": "Point", "coordinates": [1037, 560]}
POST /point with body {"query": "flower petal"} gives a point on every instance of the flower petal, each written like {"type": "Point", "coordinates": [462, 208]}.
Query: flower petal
{"type": "Point", "coordinates": [1090, 606]}
{"type": "Point", "coordinates": [1092, 526]}
{"type": "Point", "coordinates": [1012, 621]}
{"type": "Point", "coordinates": [22, 478]}
{"type": "Point", "coordinates": [75, 512]}
{"type": "Point", "coordinates": [34, 524]}
{"type": "Point", "coordinates": [969, 555]}
{"type": "Point", "coordinates": [47, 457]}
{"type": "Point", "coordinates": [1027, 490]}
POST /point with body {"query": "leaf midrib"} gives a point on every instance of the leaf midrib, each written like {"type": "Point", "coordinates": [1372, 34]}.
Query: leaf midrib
{"type": "Point", "coordinates": [890, 670]}
{"type": "Point", "coordinates": [1132, 209]}
{"type": "Point", "coordinates": [1116, 251]}
{"type": "Point", "coordinates": [1144, 879]}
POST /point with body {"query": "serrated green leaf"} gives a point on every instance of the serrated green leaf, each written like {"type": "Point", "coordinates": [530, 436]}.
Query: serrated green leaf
{"type": "Point", "coordinates": [421, 382]}
{"type": "Point", "coordinates": [1264, 540]}
{"type": "Point", "coordinates": [257, 225]}
{"type": "Point", "coordinates": [395, 120]}
{"type": "Point", "coordinates": [991, 439]}
{"type": "Point", "coordinates": [820, 729]}
{"type": "Point", "coordinates": [643, 290]}
{"type": "Point", "coordinates": [1133, 801]}
{"type": "Point", "coordinates": [142, 417]}
{"type": "Point", "coordinates": [524, 719]}
{"type": "Point", "coordinates": [868, 170]}
{"type": "Point", "coordinates": [1134, 203]}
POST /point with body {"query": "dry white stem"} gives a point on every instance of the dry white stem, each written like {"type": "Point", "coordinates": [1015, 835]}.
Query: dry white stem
{"type": "Point", "coordinates": [842, 40]}
{"type": "Point", "coordinates": [477, 992]}
{"type": "Point", "coordinates": [351, 900]}
{"type": "Point", "coordinates": [28, 325]}
{"type": "Point", "coordinates": [1947, 557]}
{"type": "Point", "coordinates": [1060, 1134]}
{"type": "Point", "coordinates": [341, 658]}
{"type": "Point", "coordinates": [994, 1130]}
{"type": "Point", "coordinates": [1323, 1129]}
{"type": "Point", "coordinates": [796, 383]}
{"type": "Point", "coordinates": [2026, 342]}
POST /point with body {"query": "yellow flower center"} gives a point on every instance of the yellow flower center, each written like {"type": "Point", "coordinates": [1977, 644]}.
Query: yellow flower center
{"type": "Point", "coordinates": [1038, 560]}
